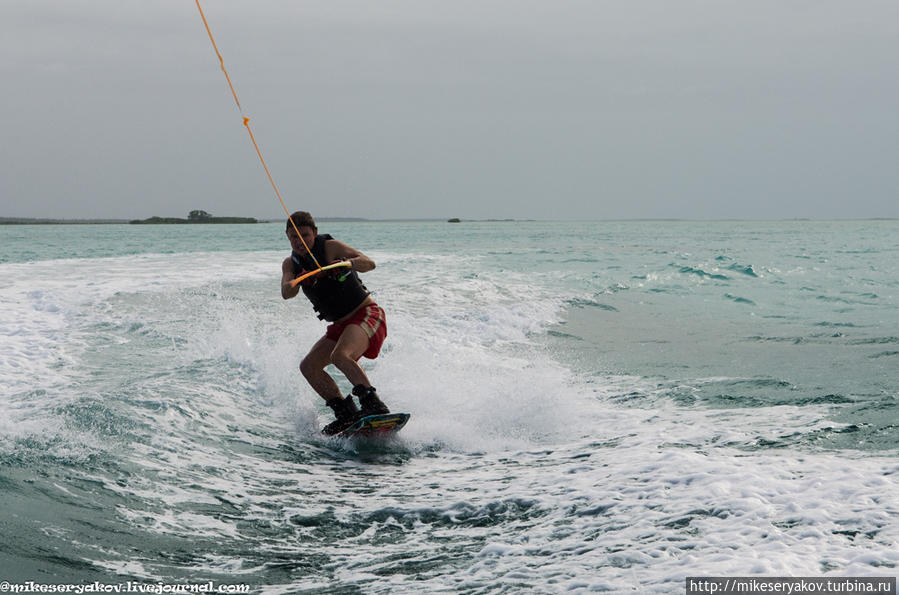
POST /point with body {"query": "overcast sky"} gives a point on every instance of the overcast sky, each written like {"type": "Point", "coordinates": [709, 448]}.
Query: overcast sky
{"type": "Point", "coordinates": [545, 109]}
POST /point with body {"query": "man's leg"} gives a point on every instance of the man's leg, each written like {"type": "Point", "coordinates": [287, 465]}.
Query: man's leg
{"type": "Point", "coordinates": [313, 369]}
{"type": "Point", "coordinates": [350, 347]}
{"type": "Point", "coordinates": [346, 352]}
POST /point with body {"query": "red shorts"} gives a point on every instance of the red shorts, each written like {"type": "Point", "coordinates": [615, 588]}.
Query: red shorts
{"type": "Point", "coordinates": [372, 320]}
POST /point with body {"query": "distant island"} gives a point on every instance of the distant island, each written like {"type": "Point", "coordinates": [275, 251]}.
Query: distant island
{"type": "Point", "coordinates": [193, 217]}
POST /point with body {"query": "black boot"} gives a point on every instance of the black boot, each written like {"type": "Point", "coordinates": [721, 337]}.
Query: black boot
{"type": "Point", "coordinates": [346, 412]}
{"type": "Point", "coordinates": [368, 398]}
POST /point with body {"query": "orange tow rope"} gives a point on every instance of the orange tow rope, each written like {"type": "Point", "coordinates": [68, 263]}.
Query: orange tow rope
{"type": "Point", "coordinates": [246, 122]}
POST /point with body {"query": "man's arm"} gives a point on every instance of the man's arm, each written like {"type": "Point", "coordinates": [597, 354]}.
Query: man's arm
{"type": "Point", "coordinates": [337, 251]}
{"type": "Point", "coordinates": [287, 276]}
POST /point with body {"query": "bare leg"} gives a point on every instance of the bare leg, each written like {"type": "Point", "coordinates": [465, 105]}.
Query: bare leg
{"type": "Point", "coordinates": [346, 353]}
{"type": "Point", "coordinates": [313, 369]}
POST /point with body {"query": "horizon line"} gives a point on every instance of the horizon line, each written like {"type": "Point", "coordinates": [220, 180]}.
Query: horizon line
{"type": "Point", "coordinates": [115, 221]}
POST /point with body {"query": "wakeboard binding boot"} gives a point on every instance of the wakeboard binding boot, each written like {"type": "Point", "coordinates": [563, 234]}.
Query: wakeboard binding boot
{"type": "Point", "coordinates": [346, 412]}
{"type": "Point", "coordinates": [368, 398]}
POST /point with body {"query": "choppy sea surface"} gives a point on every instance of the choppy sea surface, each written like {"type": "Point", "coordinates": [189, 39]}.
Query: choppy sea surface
{"type": "Point", "coordinates": [596, 406]}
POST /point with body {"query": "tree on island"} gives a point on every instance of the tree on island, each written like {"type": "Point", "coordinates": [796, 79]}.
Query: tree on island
{"type": "Point", "coordinates": [198, 215]}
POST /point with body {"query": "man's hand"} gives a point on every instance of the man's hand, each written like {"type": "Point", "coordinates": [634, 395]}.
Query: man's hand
{"type": "Point", "coordinates": [307, 282]}
{"type": "Point", "coordinates": [288, 289]}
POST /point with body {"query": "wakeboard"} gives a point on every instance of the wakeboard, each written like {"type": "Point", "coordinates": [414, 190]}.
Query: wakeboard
{"type": "Point", "coordinates": [376, 425]}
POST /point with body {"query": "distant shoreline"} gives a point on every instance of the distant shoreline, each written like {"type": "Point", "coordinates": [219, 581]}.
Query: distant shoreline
{"type": "Point", "coordinates": [180, 221]}
{"type": "Point", "coordinates": [36, 221]}
{"type": "Point", "coordinates": [237, 221]}
{"type": "Point", "coordinates": [39, 221]}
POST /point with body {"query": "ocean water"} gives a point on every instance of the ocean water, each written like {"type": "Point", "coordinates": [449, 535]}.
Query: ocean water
{"type": "Point", "coordinates": [596, 406]}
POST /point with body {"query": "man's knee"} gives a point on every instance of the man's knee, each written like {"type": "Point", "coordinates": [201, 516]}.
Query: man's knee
{"type": "Point", "coordinates": [340, 356]}
{"type": "Point", "coordinates": [309, 367]}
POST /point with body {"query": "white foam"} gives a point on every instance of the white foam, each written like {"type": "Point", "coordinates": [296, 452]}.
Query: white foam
{"type": "Point", "coordinates": [45, 305]}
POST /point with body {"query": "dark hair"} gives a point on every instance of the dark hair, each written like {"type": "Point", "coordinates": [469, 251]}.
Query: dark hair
{"type": "Point", "coordinates": [300, 219]}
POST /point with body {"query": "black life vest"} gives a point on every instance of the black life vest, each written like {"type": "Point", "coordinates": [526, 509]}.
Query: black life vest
{"type": "Point", "coordinates": [333, 294]}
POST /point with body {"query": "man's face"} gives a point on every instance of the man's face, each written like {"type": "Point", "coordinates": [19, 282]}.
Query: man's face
{"type": "Point", "coordinates": [308, 234]}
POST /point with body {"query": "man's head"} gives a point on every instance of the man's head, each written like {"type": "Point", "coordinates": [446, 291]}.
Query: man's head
{"type": "Point", "coordinates": [306, 225]}
{"type": "Point", "coordinates": [301, 219]}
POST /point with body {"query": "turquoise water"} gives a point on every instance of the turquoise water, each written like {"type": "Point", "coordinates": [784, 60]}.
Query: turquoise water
{"type": "Point", "coordinates": [595, 406]}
